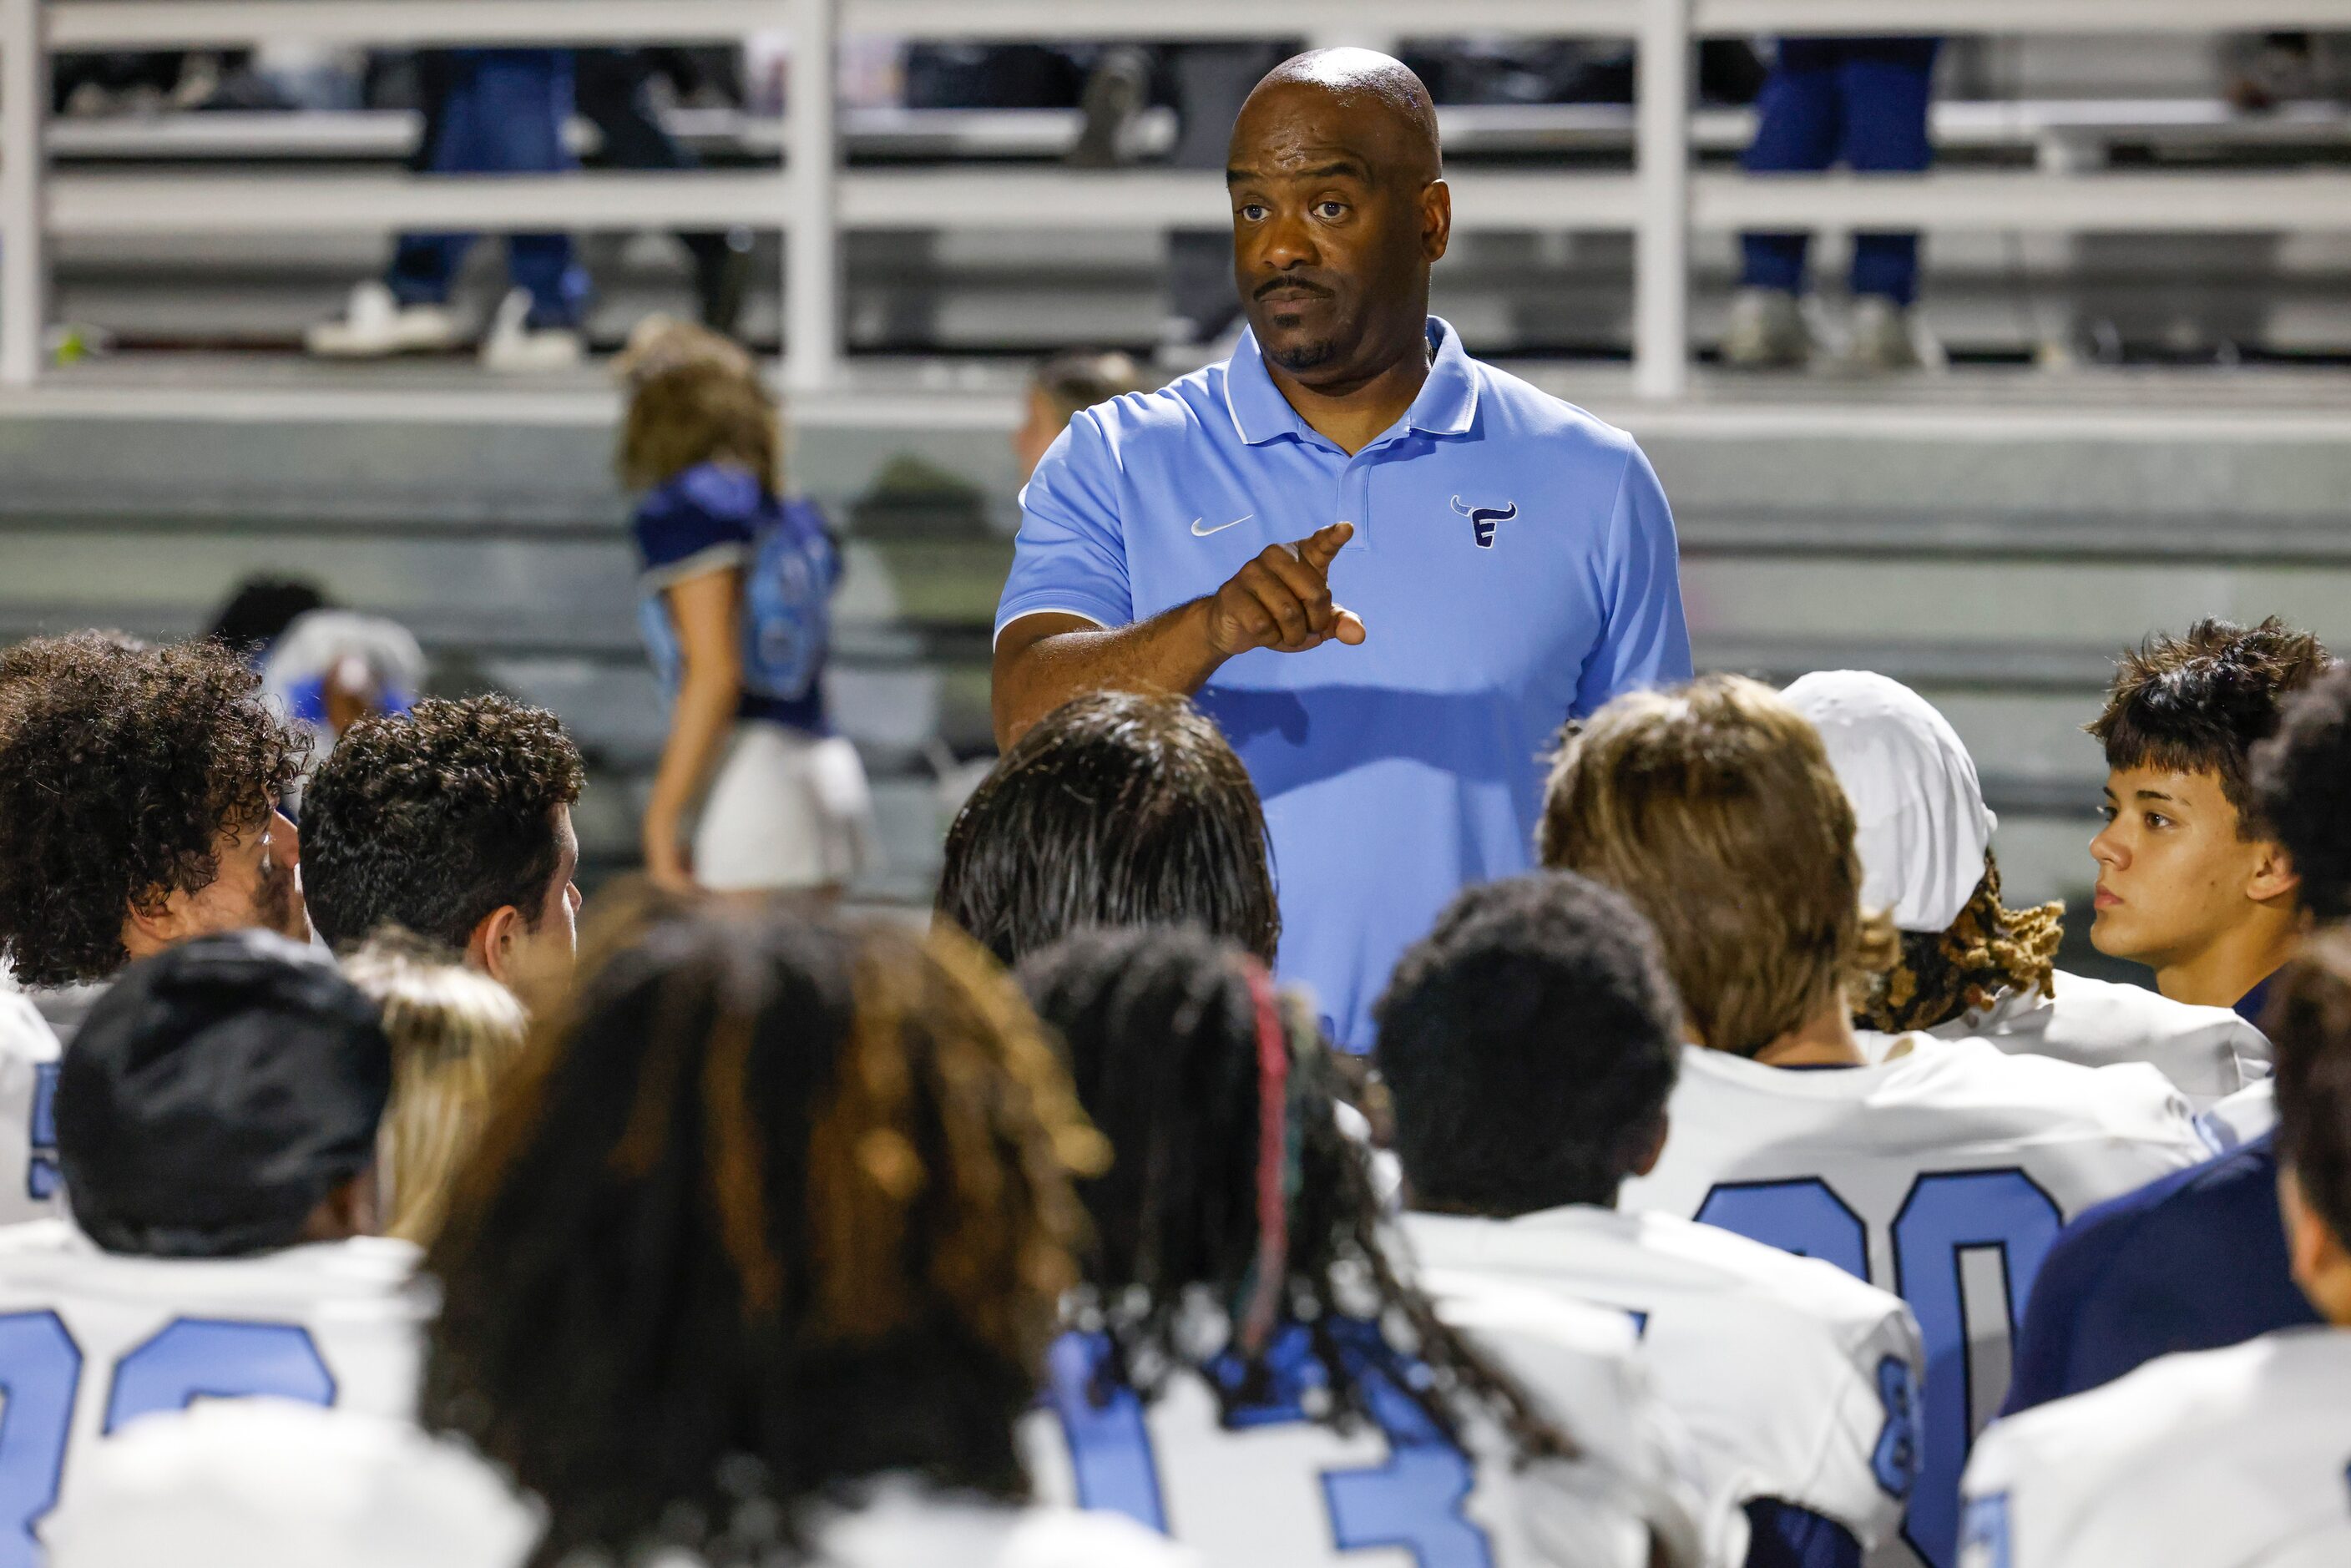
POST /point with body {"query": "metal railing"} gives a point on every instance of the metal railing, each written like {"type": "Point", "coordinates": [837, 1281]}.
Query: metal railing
{"type": "Point", "coordinates": [813, 199]}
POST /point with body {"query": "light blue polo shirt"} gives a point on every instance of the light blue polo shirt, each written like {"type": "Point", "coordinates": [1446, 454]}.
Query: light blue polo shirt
{"type": "Point", "coordinates": [1514, 565]}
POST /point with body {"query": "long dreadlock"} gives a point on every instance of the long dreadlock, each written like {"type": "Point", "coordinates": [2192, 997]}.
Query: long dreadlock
{"type": "Point", "coordinates": [1988, 950]}
{"type": "Point", "coordinates": [1161, 1031]}
{"type": "Point", "coordinates": [771, 1207]}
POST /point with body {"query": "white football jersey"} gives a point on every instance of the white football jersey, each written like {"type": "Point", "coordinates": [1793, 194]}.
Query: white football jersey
{"type": "Point", "coordinates": [90, 1340]}
{"type": "Point", "coordinates": [2207, 1052]}
{"type": "Point", "coordinates": [28, 1133]}
{"type": "Point", "coordinates": [1943, 1174]}
{"type": "Point", "coordinates": [2241, 1118]}
{"type": "Point", "coordinates": [2218, 1458]}
{"type": "Point", "coordinates": [1794, 1380]}
{"type": "Point", "coordinates": [1278, 1489]}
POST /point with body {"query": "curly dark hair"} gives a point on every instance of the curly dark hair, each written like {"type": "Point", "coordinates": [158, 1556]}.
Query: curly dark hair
{"type": "Point", "coordinates": [2301, 775]}
{"type": "Point", "coordinates": [1988, 949]}
{"type": "Point", "coordinates": [1116, 809]}
{"type": "Point", "coordinates": [1161, 1032]}
{"type": "Point", "coordinates": [767, 1207]}
{"type": "Point", "coordinates": [2200, 703]}
{"type": "Point", "coordinates": [121, 768]}
{"type": "Point", "coordinates": [1529, 1043]}
{"type": "Point", "coordinates": [435, 819]}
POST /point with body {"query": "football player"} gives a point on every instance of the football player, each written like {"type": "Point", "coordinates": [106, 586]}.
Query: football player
{"type": "Point", "coordinates": [216, 1120]}
{"type": "Point", "coordinates": [1529, 1044]}
{"type": "Point", "coordinates": [2219, 1457]}
{"type": "Point", "coordinates": [1247, 1371]}
{"type": "Point", "coordinates": [138, 791]}
{"type": "Point", "coordinates": [1941, 1173]}
{"type": "Point", "coordinates": [1970, 966]}
{"type": "Point", "coordinates": [762, 1262]}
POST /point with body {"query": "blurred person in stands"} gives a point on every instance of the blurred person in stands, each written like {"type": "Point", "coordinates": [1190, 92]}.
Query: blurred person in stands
{"type": "Point", "coordinates": [738, 582]}
{"type": "Point", "coordinates": [257, 612]}
{"type": "Point", "coordinates": [1969, 965]}
{"type": "Point", "coordinates": [1713, 807]}
{"type": "Point", "coordinates": [1063, 386]}
{"type": "Point", "coordinates": [331, 668]}
{"type": "Point", "coordinates": [1249, 1369]}
{"type": "Point", "coordinates": [216, 1124]}
{"type": "Point", "coordinates": [2191, 882]}
{"type": "Point", "coordinates": [2198, 1260]}
{"type": "Point", "coordinates": [1798, 1382]}
{"type": "Point", "coordinates": [2222, 1456]}
{"type": "Point", "coordinates": [455, 1033]}
{"type": "Point", "coordinates": [486, 111]}
{"type": "Point", "coordinates": [1116, 809]}
{"type": "Point", "coordinates": [762, 1257]}
{"type": "Point", "coordinates": [1865, 103]}
{"type": "Point", "coordinates": [453, 822]}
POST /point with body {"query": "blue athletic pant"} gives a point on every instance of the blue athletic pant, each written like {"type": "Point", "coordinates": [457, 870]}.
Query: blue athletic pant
{"type": "Point", "coordinates": [495, 111]}
{"type": "Point", "coordinates": [1859, 102]}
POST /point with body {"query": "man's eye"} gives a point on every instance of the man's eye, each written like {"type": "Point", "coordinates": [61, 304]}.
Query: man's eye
{"type": "Point", "coordinates": [1330, 212]}
{"type": "Point", "coordinates": [1253, 211]}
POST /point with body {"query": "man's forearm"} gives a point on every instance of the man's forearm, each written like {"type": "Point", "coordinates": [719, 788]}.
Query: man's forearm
{"type": "Point", "coordinates": [1170, 653]}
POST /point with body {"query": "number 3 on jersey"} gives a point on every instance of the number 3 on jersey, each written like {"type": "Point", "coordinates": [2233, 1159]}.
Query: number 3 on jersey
{"type": "Point", "coordinates": [191, 1359]}
{"type": "Point", "coordinates": [1945, 1215]}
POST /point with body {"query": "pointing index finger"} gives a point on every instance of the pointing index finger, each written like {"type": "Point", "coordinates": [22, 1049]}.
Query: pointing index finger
{"type": "Point", "coordinates": [1320, 548]}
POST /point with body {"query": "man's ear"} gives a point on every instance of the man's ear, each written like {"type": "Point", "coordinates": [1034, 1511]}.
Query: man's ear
{"type": "Point", "coordinates": [353, 1208]}
{"type": "Point", "coordinates": [1435, 219]}
{"type": "Point", "coordinates": [151, 927]}
{"type": "Point", "coordinates": [491, 948]}
{"type": "Point", "coordinates": [2274, 874]}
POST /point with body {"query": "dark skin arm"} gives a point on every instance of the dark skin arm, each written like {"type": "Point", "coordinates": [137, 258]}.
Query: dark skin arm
{"type": "Point", "coordinates": [1281, 599]}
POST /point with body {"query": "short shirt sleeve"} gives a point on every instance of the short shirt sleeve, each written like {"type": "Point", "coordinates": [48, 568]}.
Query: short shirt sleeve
{"type": "Point", "coordinates": [1646, 641]}
{"type": "Point", "coordinates": [1070, 557]}
{"type": "Point", "coordinates": [702, 521]}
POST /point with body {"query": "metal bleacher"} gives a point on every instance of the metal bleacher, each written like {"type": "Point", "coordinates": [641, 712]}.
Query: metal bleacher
{"type": "Point", "coordinates": [1990, 536]}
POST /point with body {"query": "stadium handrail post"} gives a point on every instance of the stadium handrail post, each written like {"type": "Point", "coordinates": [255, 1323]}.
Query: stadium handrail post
{"type": "Point", "coordinates": [1661, 245]}
{"type": "Point", "coordinates": [23, 238]}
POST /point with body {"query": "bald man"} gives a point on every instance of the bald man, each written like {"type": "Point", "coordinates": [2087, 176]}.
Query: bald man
{"type": "Point", "coordinates": [1388, 571]}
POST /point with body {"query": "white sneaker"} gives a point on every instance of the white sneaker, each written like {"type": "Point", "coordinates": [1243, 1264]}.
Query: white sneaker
{"type": "Point", "coordinates": [1886, 339]}
{"type": "Point", "coordinates": [376, 326]}
{"type": "Point", "coordinates": [514, 348]}
{"type": "Point", "coordinates": [1767, 331]}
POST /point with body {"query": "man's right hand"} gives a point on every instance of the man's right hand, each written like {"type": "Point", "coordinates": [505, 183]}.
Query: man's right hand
{"type": "Point", "coordinates": [1281, 600]}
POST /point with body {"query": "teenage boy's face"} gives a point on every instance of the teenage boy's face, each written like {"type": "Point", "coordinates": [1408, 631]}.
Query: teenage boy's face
{"type": "Point", "coordinates": [2173, 874]}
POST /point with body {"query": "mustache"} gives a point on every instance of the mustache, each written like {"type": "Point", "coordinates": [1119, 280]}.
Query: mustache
{"type": "Point", "coordinates": [1290, 280]}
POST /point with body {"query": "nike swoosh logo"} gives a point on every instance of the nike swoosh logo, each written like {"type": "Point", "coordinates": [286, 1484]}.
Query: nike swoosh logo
{"type": "Point", "coordinates": [1200, 533]}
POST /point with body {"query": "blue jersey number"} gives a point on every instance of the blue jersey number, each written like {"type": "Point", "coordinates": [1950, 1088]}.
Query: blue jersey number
{"type": "Point", "coordinates": [1944, 1214]}
{"type": "Point", "coordinates": [194, 1358]}
{"type": "Point", "coordinates": [41, 1172]}
{"type": "Point", "coordinates": [1414, 1503]}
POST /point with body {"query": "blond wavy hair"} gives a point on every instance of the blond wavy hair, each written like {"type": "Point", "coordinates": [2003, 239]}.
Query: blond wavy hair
{"type": "Point", "coordinates": [455, 1033]}
{"type": "Point", "coordinates": [694, 397]}
{"type": "Point", "coordinates": [1714, 809]}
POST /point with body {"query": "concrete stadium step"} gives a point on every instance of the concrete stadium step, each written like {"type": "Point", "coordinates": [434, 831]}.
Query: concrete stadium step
{"type": "Point", "coordinates": [1993, 541]}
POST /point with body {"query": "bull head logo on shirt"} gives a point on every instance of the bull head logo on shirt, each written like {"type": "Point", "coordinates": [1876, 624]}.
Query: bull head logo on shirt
{"type": "Point", "coordinates": [1483, 518]}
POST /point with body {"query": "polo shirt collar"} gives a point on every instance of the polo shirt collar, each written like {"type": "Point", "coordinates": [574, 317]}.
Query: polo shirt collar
{"type": "Point", "coordinates": [1446, 405]}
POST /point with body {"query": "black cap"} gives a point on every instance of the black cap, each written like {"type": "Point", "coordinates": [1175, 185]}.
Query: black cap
{"type": "Point", "coordinates": [216, 1095]}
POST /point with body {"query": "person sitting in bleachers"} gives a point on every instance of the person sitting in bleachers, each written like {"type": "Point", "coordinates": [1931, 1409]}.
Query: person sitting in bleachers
{"type": "Point", "coordinates": [2217, 1457]}
{"type": "Point", "coordinates": [456, 1034]}
{"type": "Point", "coordinates": [137, 809]}
{"type": "Point", "coordinates": [1116, 809]}
{"type": "Point", "coordinates": [1969, 965]}
{"type": "Point", "coordinates": [1248, 1369]}
{"type": "Point", "coordinates": [1064, 386]}
{"type": "Point", "coordinates": [216, 1122]}
{"type": "Point", "coordinates": [1713, 807]}
{"type": "Point", "coordinates": [1798, 1382]}
{"type": "Point", "coordinates": [453, 822]}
